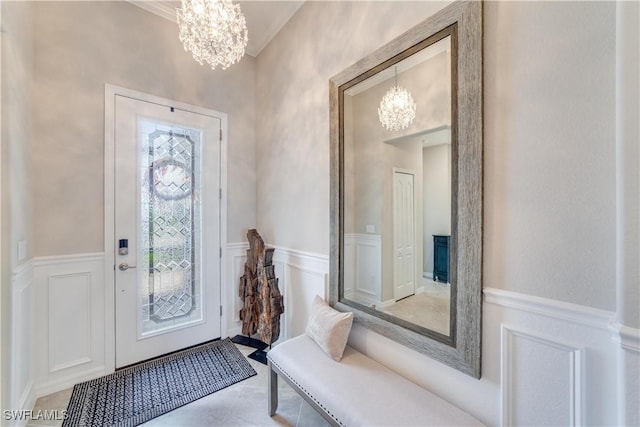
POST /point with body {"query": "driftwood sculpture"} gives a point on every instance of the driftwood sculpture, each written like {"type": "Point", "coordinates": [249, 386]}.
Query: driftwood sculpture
{"type": "Point", "coordinates": [262, 301]}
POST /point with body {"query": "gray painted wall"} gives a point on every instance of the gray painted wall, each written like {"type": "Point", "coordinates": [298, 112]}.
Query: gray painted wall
{"type": "Point", "coordinates": [436, 161]}
{"type": "Point", "coordinates": [549, 152]}
{"type": "Point", "coordinates": [17, 205]}
{"type": "Point", "coordinates": [17, 73]}
{"type": "Point", "coordinates": [79, 47]}
{"type": "Point", "coordinates": [292, 146]}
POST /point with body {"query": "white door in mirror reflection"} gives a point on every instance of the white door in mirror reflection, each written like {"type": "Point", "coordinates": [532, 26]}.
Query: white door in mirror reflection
{"type": "Point", "coordinates": [404, 283]}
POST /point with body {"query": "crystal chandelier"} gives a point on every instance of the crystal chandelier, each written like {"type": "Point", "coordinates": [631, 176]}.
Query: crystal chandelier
{"type": "Point", "coordinates": [214, 31]}
{"type": "Point", "coordinates": [397, 108]}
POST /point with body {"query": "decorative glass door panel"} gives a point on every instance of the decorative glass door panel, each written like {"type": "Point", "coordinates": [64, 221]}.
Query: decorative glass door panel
{"type": "Point", "coordinates": [170, 283]}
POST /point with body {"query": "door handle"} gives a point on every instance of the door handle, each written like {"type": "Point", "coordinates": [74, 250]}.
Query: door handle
{"type": "Point", "coordinates": [124, 266]}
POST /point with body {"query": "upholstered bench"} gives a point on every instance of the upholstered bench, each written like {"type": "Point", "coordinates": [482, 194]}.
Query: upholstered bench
{"type": "Point", "coordinates": [356, 391]}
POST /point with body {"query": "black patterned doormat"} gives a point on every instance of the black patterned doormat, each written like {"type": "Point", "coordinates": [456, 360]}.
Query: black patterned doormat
{"type": "Point", "coordinates": [141, 392]}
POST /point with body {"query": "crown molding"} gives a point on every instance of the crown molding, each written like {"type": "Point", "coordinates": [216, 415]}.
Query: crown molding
{"type": "Point", "coordinates": [159, 8]}
{"type": "Point", "coordinates": [265, 18]}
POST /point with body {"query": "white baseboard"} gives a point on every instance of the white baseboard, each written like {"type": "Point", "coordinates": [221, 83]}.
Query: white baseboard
{"type": "Point", "coordinates": [69, 380]}
{"type": "Point", "coordinates": [26, 402]}
{"type": "Point", "coordinates": [388, 303]}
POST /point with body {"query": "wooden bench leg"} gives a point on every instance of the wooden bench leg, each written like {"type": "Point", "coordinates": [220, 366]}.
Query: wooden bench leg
{"type": "Point", "coordinates": [273, 391]}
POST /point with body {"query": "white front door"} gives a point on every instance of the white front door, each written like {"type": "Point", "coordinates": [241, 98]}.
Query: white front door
{"type": "Point", "coordinates": [404, 265]}
{"type": "Point", "coordinates": [167, 229]}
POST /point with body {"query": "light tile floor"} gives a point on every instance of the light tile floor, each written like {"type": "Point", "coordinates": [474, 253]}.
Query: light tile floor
{"type": "Point", "coordinates": [242, 404]}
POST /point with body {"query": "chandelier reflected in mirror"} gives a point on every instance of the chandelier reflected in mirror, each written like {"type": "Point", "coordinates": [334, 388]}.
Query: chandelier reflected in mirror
{"type": "Point", "coordinates": [214, 31]}
{"type": "Point", "coordinates": [397, 108]}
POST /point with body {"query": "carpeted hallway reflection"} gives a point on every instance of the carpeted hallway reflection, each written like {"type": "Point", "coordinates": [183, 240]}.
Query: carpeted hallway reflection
{"type": "Point", "coordinates": [430, 308]}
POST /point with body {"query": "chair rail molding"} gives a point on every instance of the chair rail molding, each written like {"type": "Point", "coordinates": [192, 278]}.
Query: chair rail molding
{"type": "Point", "coordinates": [560, 310]}
{"type": "Point", "coordinates": [628, 337]}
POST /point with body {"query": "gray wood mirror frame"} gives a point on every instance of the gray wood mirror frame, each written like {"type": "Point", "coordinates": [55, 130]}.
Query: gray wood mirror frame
{"type": "Point", "coordinates": [460, 24]}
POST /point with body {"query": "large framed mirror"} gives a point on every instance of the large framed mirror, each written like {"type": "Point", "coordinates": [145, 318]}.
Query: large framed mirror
{"type": "Point", "coordinates": [406, 188]}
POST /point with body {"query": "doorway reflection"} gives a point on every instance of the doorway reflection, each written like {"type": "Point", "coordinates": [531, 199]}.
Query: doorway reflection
{"type": "Point", "coordinates": [398, 194]}
{"type": "Point", "coordinates": [430, 303]}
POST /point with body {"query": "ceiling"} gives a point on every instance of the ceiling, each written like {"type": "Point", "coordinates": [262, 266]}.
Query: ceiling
{"type": "Point", "coordinates": [264, 18]}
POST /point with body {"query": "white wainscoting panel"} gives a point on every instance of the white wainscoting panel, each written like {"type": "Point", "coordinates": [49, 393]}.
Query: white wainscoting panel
{"type": "Point", "coordinates": [280, 275]}
{"type": "Point", "coordinates": [301, 276]}
{"type": "Point", "coordinates": [302, 285]}
{"type": "Point", "coordinates": [70, 320]}
{"type": "Point", "coordinates": [557, 360]}
{"type": "Point", "coordinates": [235, 258]}
{"type": "Point", "coordinates": [349, 259]}
{"type": "Point", "coordinates": [530, 360]}
{"type": "Point", "coordinates": [22, 372]}
{"type": "Point", "coordinates": [363, 279]}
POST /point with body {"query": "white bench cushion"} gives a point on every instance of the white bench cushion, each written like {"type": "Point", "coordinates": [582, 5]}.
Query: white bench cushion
{"type": "Point", "coordinates": [359, 391]}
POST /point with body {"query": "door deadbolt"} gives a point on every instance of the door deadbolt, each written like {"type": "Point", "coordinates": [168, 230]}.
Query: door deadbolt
{"type": "Point", "coordinates": [123, 246]}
